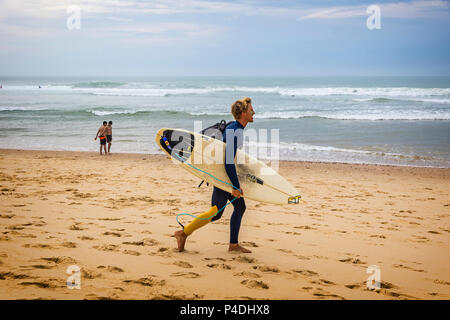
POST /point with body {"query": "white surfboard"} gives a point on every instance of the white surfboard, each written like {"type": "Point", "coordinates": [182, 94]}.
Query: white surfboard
{"type": "Point", "coordinates": [204, 157]}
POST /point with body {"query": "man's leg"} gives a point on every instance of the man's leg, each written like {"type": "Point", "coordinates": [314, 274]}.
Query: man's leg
{"type": "Point", "coordinates": [235, 225]}
{"type": "Point", "coordinates": [218, 200]}
{"type": "Point", "coordinates": [108, 141]}
{"type": "Point", "coordinates": [197, 223]}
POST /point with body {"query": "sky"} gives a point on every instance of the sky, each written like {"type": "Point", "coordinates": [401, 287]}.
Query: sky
{"type": "Point", "coordinates": [224, 38]}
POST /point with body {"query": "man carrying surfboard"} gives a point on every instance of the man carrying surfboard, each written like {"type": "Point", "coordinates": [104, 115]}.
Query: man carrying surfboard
{"type": "Point", "coordinates": [242, 111]}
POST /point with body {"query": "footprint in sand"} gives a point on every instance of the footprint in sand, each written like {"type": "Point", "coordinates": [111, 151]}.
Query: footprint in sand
{"type": "Point", "coordinates": [307, 273]}
{"type": "Point", "coordinates": [353, 261]}
{"type": "Point", "coordinates": [220, 259]}
{"type": "Point", "coordinates": [45, 284]}
{"type": "Point", "coordinates": [7, 216]}
{"type": "Point", "coordinates": [12, 275]}
{"type": "Point", "coordinates": [267, 269]}
{"type": "Point", "coordinates": [323, 282]}
{"type": "Point", "coordinates": [147, 281]}
{"type": "Point", "coordinates": [15, 227]}
{"type": "Point", "coordinates": [69, 244]}
{"type": "Point", "coordinates": [86, 238]}
{"type": "Point", "coordinates": [39, 223]}
{"type": "Point", "coordinates": [246, 274]}
{"type": "Point", "coordinates": [61, 259]}
{"type": "Point", "coordinates": [254, 284]}
{"type": "Point", "coordinates": [406, 267]}
{"type": "Point", "coordinates": [107, 247]}
{"type": "Point", "coordinates": [326, 295]}
{"type": "Point", "coordinates": [111, 269]}
{"type": "Point", "coordinates": [385, 289]}
{"type": "Point", "coordinates": [92, 296]}
{"type": "Point", "coordinates": [89, 274]}
{"type": "Point", "coordinates": [380, 236]}
{"type": "Point", "coordinates": [249, 244]}
{"type": "Point", "coordinates": [132, 252]}
{"type": "Point", "coordinates": [245, 259]}
{"type": "Point", "coordinates": [5, 238]}
{"type": "Point", "coordinates": [115, 234]}
{"type": "Point", "coordinates": [190, 275]}
{"type": "Point", "coordinates": [143, 242]}
{"type": "Point", "coordinates": [76, 227]}
{"type": "Point", "coordinates": [437, 281]}
{"type": "Point", "coordinates": [221, 266]}
{"type": "Point", "coordinates": [305, 228]}
{"type": "Point", "coordinates": [176, 297]}
{"type": "Point", "coordinates": [40, 246]}
{"type": "Point", "coordinates": [109, 219]}
{"type": "Point", "coordinates": [356, 285]}
{"type": "Point", "coordinates": [37, 266]}
{"type": "Point", "coordinates": [183, 264]}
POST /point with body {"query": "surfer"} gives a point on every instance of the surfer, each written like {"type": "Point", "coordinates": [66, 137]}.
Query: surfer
{"type": "Point", "coordinates": [242, 111]}
{"type": "Point", "coordinates": [101, 133]}
{"type": "Point", "coordinates": [109, 135]}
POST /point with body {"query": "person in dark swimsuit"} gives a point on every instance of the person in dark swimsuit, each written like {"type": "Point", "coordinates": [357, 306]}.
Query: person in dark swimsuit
{"type": "Point", "coordinates": [242, 111]}
{"type": "Point", "coordinates": [101, 133]}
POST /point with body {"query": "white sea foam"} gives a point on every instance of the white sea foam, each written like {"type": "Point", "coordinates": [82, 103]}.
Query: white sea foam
{"type": "Point", "coordinates": [27, 108]}
{"type": "Point", "coordinates": [375, 114]}
{"type": "Point", "coordinates": [152, 90]}
{"type": "Point", "coordinates": [106, 112]}
{"type": "Point", "coordinates": [307, 152]}
{"type": "Point", "coordinates": [348, 114]}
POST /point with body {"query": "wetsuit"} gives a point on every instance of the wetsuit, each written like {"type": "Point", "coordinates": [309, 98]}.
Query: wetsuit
{"type": "Point", "coordinates": [219, 197]}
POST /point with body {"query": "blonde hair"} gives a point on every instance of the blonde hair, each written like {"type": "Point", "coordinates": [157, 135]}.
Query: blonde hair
{"type": "Point", "coordinates": [240, 106]}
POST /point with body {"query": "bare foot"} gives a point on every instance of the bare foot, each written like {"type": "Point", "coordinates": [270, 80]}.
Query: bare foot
{"type": "Point", "coordinates": [181, 239]}
{"type": "Point", "coordinates": [237, 247]}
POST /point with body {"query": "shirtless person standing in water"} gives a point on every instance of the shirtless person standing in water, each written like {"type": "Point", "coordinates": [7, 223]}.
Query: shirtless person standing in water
{"type": "Point", "coordinates": [101, 133]}
{"type": "Point", "coordinates": [109, 135]}
{"type": "Point", "coordinates": [242, 111]}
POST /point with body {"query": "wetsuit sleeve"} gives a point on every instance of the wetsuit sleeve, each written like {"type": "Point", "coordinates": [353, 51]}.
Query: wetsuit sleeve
{"type": "Point", "coordinates": [230, 168]}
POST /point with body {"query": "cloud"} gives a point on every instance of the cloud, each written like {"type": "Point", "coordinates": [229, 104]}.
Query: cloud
{"type": "Point", "coordinates": [161, 33]}
{"type": "Point", "coordinates": [46, 18]}
{"type": "Point", "coordinates": [404, 10]}
{"type": "Point", "coordinates": [54, 8]}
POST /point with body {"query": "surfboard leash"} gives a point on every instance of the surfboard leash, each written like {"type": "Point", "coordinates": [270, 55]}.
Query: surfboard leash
{"type": "Point", "coordinates": [191, 215]}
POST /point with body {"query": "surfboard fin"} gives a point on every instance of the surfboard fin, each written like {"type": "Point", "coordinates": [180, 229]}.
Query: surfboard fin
{"type": "Point", "coordinates": [294, 199]}
{"type": "Point", "coordinates": [202, 183]}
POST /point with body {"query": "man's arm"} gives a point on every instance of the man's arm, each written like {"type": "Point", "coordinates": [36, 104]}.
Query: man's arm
{"type": "Point", "coordinates": [230, 167]}
{"type": "Point", "coordinates": [100, 131]}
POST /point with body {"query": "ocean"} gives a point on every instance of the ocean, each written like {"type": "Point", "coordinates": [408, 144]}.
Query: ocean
{"type": "Point", "coordinates": [377, 120]}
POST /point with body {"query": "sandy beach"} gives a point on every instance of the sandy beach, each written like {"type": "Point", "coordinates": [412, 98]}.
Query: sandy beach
{"type": "Point", "coordinates": [114, 218]}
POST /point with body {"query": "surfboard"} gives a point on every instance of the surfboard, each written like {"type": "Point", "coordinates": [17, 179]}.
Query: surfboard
{"type": "Point", "coordinates": [204, 157]}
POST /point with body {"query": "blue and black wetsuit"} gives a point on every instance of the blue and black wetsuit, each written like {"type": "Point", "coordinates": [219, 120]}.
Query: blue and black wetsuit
{"type": "Point", "coordinates": [219, 197]}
